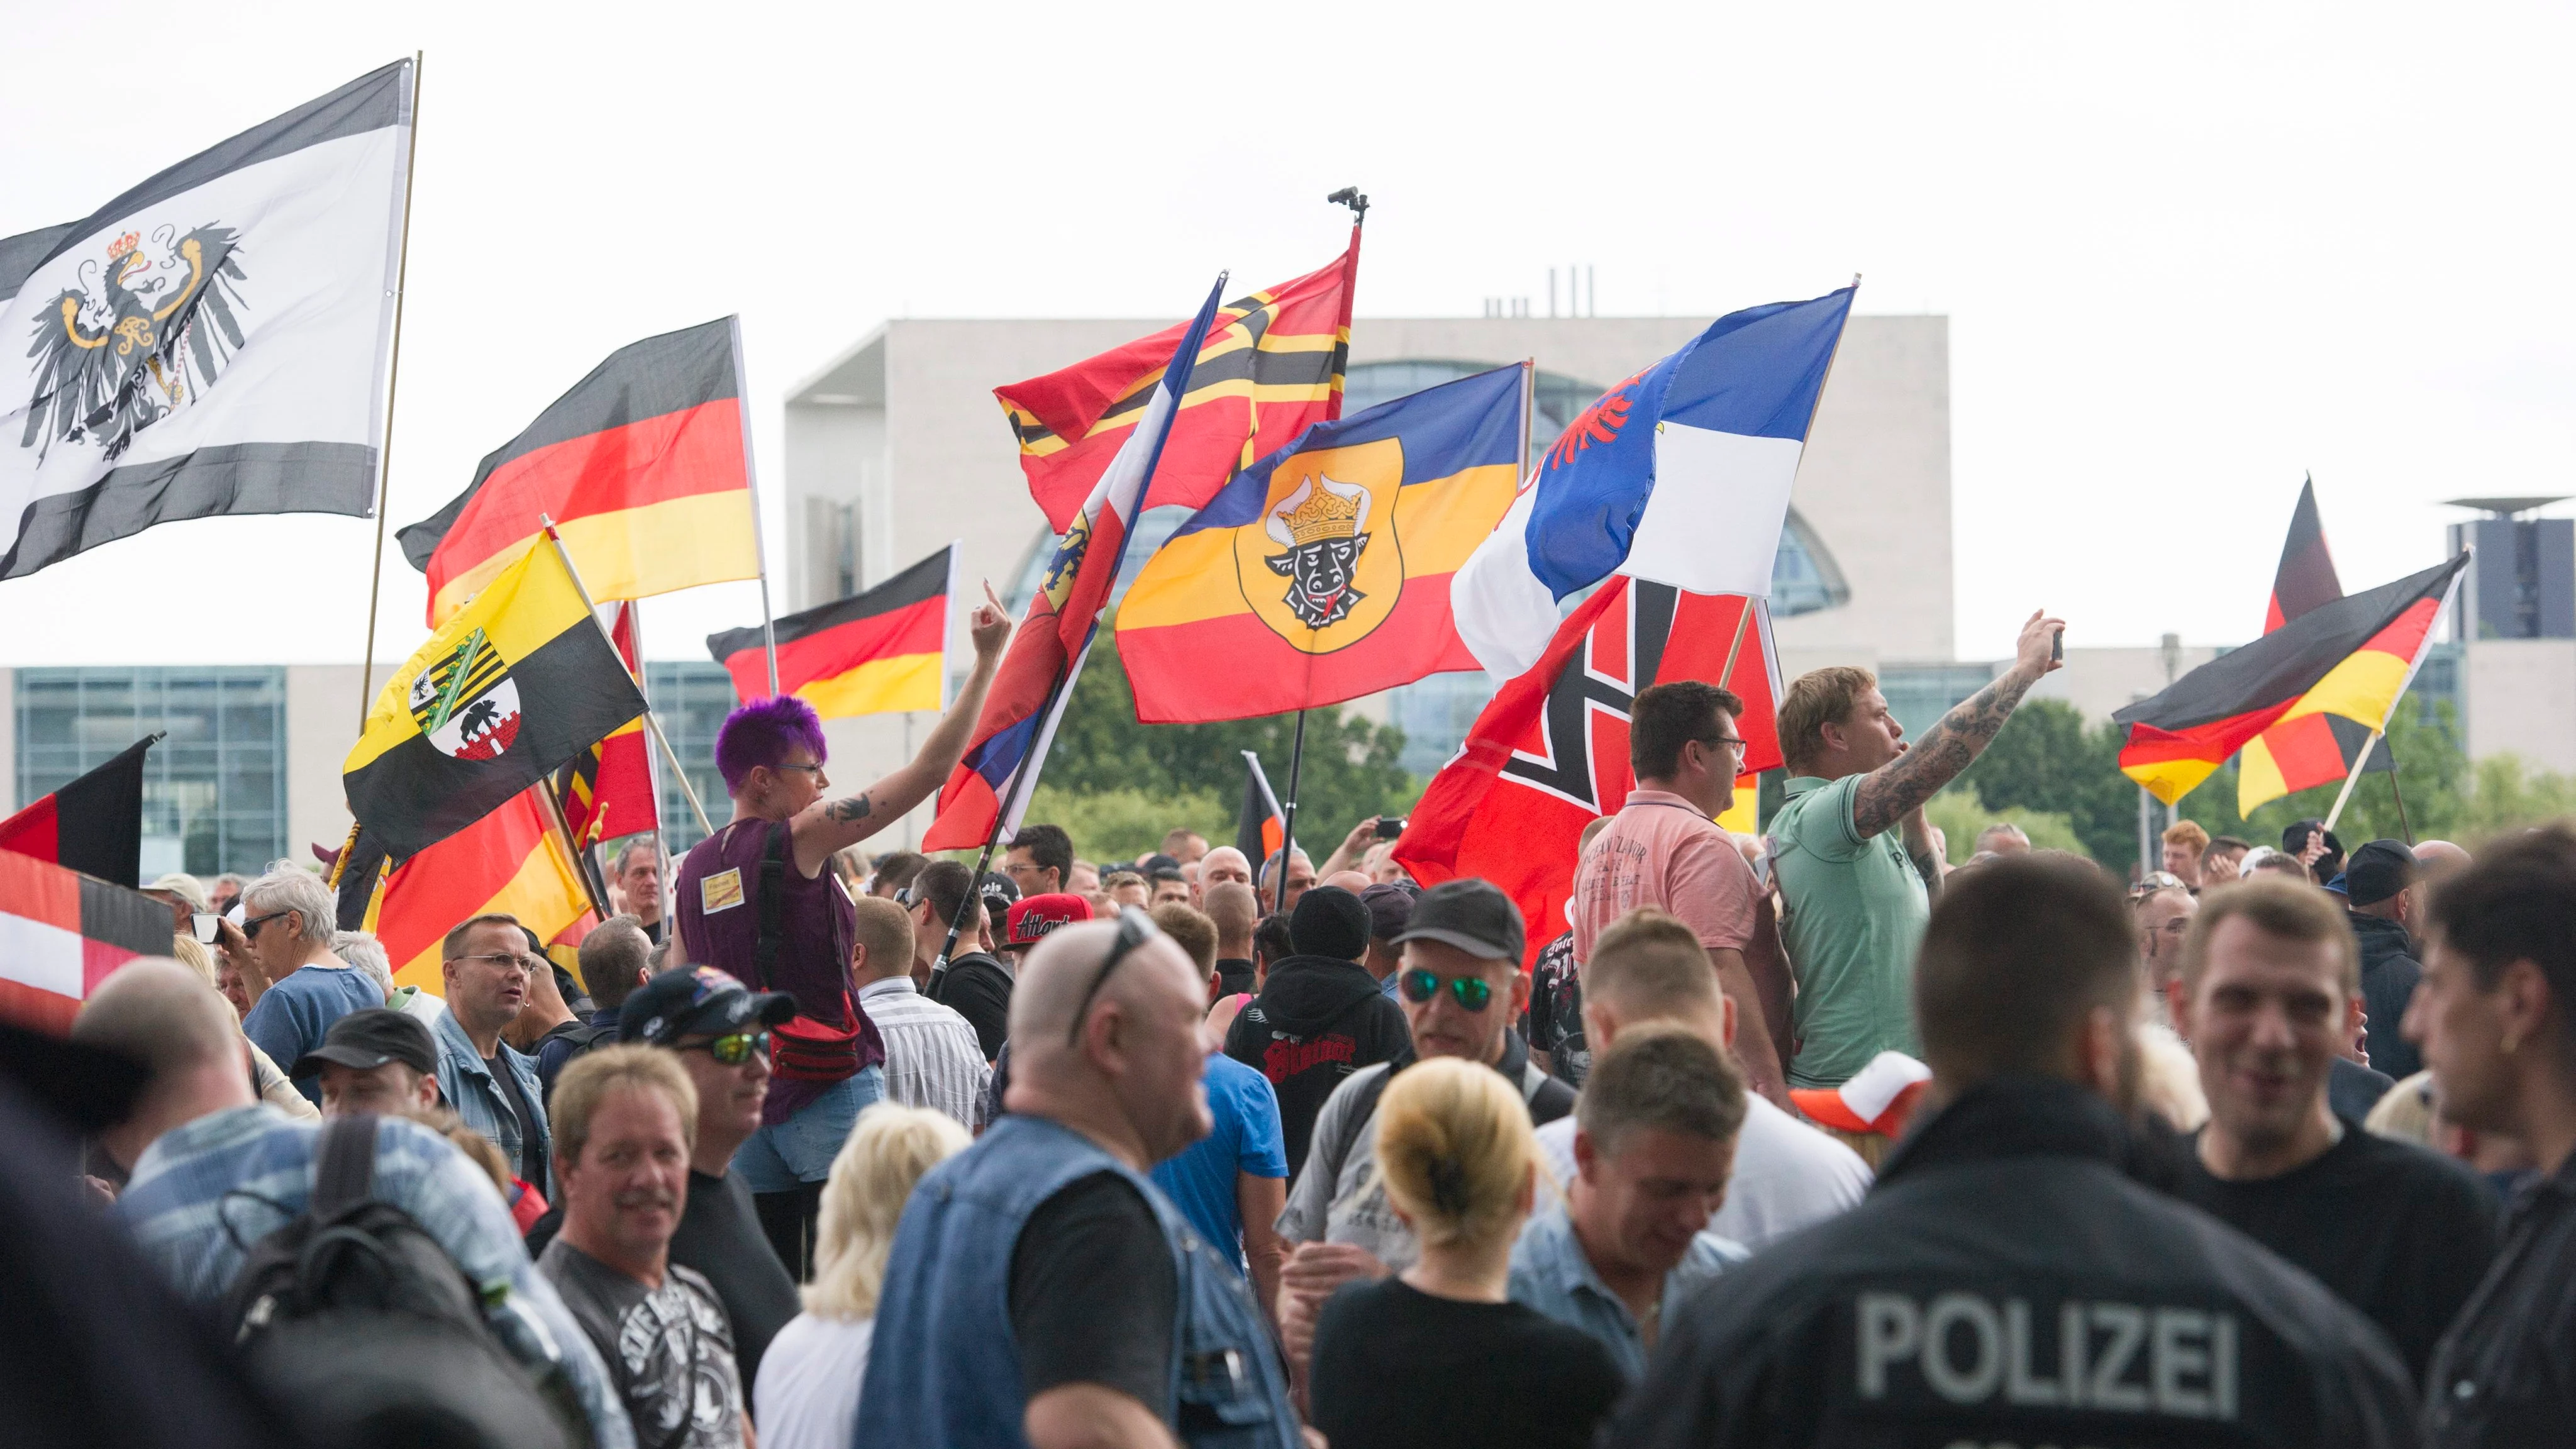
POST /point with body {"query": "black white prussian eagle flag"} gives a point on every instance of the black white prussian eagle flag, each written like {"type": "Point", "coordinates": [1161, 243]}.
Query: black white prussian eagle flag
{"type": "Point", "coordinates": [213, 341]}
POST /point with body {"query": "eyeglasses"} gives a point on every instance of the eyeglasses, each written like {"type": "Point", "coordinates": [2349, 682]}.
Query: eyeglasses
{"type": "Point", "coordinates": [1731, 742]}
{"type": "Point", "coordinates": [1135, 928]}
{"type": "Point", "coordinates": [1472, 992]}
{"type": "Point", "coordinates": [502, 959]}
{"type": "Point", "coordinates": [250, 928]}
{"type": "Point", "coordinates": [733, 1048]}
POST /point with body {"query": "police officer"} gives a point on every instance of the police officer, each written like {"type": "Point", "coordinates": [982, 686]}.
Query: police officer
{"type": "Point", "coordinates": [1041, 1290]}
{"type": "Point", "coordinates": [2007, 1281]}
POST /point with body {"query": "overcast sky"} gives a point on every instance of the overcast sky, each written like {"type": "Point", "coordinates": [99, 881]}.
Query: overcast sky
{"type": "Point", "coordinates": [2188, 252]}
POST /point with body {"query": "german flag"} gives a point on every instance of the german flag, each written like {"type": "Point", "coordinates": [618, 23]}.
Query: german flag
{"type": "Point", "coordinates": [1259, 828]}
{"type": "Point", "coordinates": [65, 932]}
{"type": "Point", "coordinates": [510, 862]}
{"type": "Point", "coordinates": [1270, 367]}
{"type": "Point", "coordinates": [880, 652]}
{"type": "Point", "coordinates": [607, 790]}
{"type": "Point", "coordinates": [2338, 667]}
{"type": "Point", "coordinates": [643, 466]}
{"type": "Point", "coordinates": [2306, 578]}
{"type": "Point", "coordinates": [2297, 754]}
{"type": "Point", "coordinates": [507, 691]}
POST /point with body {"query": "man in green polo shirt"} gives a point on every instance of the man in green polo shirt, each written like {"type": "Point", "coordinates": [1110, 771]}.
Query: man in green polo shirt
{"type": "Point", "coordinates": [1856, 886]}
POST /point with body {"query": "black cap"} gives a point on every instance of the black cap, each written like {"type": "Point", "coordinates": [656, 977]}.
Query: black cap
{"type": "Point", "coordinates": [1329, 921]}
{"type": "Point", "coordinates": [1390, 907]}
{"type": "Point", "coordinates": [2377, 870]}
{"type": "Point", "coordinates": [1157, 861]}
{"type": "Point", "coordinates": [1000, 893]}
{"type": "Point", "coordinates": [368, 1039]}
{"type": "Point", "coordinates": [697, 1001]}
{"type": "Point", "coordinates": [1471, 915]}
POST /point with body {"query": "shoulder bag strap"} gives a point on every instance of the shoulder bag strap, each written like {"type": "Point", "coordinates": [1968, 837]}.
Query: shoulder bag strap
{"type": "Point", "coordinates": [773, 902]}
{"type": "Point", "coordinates": [344, 1169]}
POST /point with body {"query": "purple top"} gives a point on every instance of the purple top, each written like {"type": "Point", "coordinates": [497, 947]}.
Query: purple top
{"type": "Point", "coordinates": [719, 900]}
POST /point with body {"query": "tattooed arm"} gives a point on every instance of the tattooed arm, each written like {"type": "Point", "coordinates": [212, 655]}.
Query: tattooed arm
{"type": "Point", "coordinates": [832, 824]}
{"type": "Point", "coordinates": [1898, 788]}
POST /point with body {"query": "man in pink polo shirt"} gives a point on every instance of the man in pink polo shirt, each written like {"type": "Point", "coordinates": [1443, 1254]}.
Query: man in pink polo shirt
{"type": "Point", "coordinates": [1664, 849]}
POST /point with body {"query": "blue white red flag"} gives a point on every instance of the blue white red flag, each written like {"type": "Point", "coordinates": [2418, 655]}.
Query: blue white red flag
{"type": "Point", "coordinates": [1680, 475]}
{"type": "Point", "coordinates": [1054, 637]}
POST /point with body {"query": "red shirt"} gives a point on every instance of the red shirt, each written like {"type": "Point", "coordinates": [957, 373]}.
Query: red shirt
{"type": "Point", "coordinates": [1660, 851]}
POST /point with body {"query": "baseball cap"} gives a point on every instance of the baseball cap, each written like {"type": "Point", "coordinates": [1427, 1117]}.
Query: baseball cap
{"type": "Point", "coordinates": [1329, 921]}
{"type": "Point", "coordinates": [1390, 907]}
{"type": "Point", "coordinates": [368, 1039]}
{"type": "Point", "coordinates": [2376, 870]}
{"type": "Point", "coordinates": [1879, 1099]}
{"type": "Point", "coordinates": [183, 885]}
{"type": "Point", "coordinates": [2294, 837]}
{"type": "Point", "coordinates": [1471, 915]}
{"type": "Point", "coordinates": [1033, 918]}
{"type": "Point", "coordinates": [1000, 893]}
{"type": "Point", "coordinates": [697, 1001]}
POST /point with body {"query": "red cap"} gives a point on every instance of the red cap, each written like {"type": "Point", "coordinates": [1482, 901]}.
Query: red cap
{"type": "Point", "coordinates": [1032, 917]}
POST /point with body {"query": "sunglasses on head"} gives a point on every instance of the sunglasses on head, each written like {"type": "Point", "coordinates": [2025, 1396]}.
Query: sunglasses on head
{"type": "Point", "coordinates": [1472, 992]}
{"type": "Point", "coordinates": [734, 1048]}
{"type": "Point", "coordinates": [1135, 928]}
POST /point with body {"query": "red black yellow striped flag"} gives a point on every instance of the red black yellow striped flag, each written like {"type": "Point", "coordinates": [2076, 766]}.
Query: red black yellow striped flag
{"type": "Point", "coordinates": [2304, 751]}
{"type": "Point", "coordinates": [1270, 366]}
{"type": "Point", "coordinates": [642, 466]}
{"type": "Point", "coordinates": [880, 652]}
{"type": "Point", "coordinates": [509, 862]}
{"type": "Point", "coordinates": [2306, 578]}
{"type": "Point", "coordinates": [607, 790]}
{"type": "Point", "coordinates": [2336, 669]}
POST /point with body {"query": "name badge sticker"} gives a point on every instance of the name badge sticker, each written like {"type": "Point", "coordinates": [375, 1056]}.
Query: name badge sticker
{"type": "Point", "coordinates": [720, 892]}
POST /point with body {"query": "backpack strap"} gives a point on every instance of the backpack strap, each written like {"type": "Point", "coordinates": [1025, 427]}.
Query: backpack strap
{"type": "Point", "coordinates": [773, 902]}
{"type": "Point", "coordinates": [344, 1168]}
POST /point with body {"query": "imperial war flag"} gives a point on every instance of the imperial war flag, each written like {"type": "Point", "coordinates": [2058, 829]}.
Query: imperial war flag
{"type": "Point", "coordinates": [211, 342]}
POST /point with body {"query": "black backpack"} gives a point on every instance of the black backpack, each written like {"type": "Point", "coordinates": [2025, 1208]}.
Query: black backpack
{"type": "Point", "coordinates": [353, 1316]}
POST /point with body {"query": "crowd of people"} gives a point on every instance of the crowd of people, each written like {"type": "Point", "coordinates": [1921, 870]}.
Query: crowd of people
{"type": "Point", "coordinates": [1806, 1139]}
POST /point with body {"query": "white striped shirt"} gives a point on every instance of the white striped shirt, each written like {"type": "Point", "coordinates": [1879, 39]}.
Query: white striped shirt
{"type": "Point", "coordinates": [932, 1056]}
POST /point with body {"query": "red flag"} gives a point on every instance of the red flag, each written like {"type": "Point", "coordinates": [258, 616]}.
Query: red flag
{"type": "Point", "coordinates": [607, 790]}
{"type": "Point", "coordinates": [1550, 754]}
{"type": "Point", "coordinates": [65, 932]}
{"type": "Point", "coordinates": [93, 824]}
{"type": "Point", "coordinates": [1270, 366]}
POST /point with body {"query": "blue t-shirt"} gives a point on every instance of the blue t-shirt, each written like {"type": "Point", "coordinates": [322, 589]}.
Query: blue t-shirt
{"type": "Point", "coordinates": [1246, 1138]}
{"type": "Point", "coordinates": [292, 1016]}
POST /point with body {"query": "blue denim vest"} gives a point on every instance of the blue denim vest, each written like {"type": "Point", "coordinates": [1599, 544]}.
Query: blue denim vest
{"type": "Point", "coordinates": [943, 1369]}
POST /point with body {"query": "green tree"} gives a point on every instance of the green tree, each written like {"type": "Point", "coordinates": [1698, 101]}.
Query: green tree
{"type": "Point", "coordinates": [1351, 767]}
{"type": "Point", "coordinates": [2045, 759]}
{"type": "Point", "coordinates": [2432, 770]}
{"type": "Point", "coordinates": [1960, 814]}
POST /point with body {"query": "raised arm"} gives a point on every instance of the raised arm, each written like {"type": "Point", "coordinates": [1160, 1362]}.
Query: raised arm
{"type": "Point", "coordinates": [829, 825]}
{"type": "Point", "coordinates": [1900, 787]}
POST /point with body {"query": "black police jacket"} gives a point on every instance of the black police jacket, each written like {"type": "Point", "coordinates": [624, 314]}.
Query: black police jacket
{"type": "Point", "coordinates": [2009, 1281]}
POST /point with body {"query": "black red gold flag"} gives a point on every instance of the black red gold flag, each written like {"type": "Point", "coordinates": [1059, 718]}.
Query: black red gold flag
{"type": "Point", "coordinates": [879, 652]}
{"type": "Point", "coordinates": [93, 824]}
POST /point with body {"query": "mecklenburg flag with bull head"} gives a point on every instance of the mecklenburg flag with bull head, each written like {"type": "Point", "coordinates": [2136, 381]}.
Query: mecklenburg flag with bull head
{"type": "Point", "coordinates": [2335, 673]}
{"type": "Point", "coordinates": [1321, 573]}
{"type": "Point", "coordinates": [1271, 366]}
{"type": "Point", "coordinates": [879, 652]}
{"type": "Point", "coordinates": [509, 689]}
{"type": "Point", "coordinates": [214, 341]}
{"type": "Point", "coordinates": [643, 467]}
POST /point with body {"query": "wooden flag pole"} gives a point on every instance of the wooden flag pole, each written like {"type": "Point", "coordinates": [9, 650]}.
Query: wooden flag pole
{"type": "Point", "coordinates": [561, 828]}
{"type": "Point", "coordinates": [650, 723]}
{"type": "Point", "coordinates": [2354, 778]}
{"type": "Point", "coordinates": [393, 383]}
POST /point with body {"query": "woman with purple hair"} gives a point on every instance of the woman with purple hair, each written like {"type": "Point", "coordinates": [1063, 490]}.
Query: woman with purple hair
{"type": "Point", "coordinates": [758, 899]}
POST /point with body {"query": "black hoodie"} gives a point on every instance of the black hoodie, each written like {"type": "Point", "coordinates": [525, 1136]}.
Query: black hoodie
{"type": "Point", "coordinates": [1317, 1020]}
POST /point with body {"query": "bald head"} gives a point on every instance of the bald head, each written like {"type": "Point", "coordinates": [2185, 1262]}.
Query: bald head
{"type": "Point", "coordinates": [1223, 865]}
{"type": "Point", "coordinates": [1236, 910]}
{"type": "Point", "coordinates": [1349, 880]}
{"type": "Point", "coordinates": [1054, 976]}
{"type": "Point", "coordinates": [162, 1014]}
{"type": "Point", "coordinates": [1109, 1044]}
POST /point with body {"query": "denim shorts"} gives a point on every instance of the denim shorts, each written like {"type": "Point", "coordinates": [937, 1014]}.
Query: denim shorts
{"type": "Point", "coordinates": [801, 1149]}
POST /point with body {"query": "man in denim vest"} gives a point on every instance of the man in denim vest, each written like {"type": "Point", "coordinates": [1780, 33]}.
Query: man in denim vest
{"type": "Point", "coordinates": [1041, 1289]}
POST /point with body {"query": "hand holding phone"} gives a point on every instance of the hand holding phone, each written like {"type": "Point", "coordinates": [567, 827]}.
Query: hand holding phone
{"type": "Point", "coordinates": [1390, 826]}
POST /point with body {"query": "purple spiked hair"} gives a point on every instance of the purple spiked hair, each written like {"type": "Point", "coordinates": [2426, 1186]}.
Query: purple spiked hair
{"type": "Point", "coordinates": [761, 733]}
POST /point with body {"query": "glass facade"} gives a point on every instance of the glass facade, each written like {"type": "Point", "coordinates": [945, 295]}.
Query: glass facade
{"type": "Point", "coordinates": [1919, 694]}
{"type": "Point", "coordinates": [691, 698]}
{"type": "Point", "coordinates": [214, 789]}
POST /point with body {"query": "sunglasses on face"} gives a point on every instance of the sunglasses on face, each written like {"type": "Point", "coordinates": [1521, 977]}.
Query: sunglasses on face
{"type": "Point", "coordinates": [1472, 992]}
{"type": "Point", "coordinates": [733, 1049]}
{"type": "Point", "coordinates": [250, 928]}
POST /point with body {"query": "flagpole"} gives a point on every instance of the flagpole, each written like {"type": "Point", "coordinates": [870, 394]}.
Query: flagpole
{"type": "Point", "coordinates": [561, 829]}
{"type": "Point", "coordinates": [750, 478]}
{"type": "Point", "coordinates": [650, 723]}
{"type": "Point", "coordinates": [2354, 777]}
{"type": "Point", "coordinates": [1001, 817]}
{"type": "Point", "coordinates": [1288, 828]}
{"type": "Point", "coordinates": [393, 383]}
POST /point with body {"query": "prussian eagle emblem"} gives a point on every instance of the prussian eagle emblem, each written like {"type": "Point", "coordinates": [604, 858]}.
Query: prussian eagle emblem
{"type": "Point", "coordinates": [142, 330]}
{"type": "Point", "coordinates": [466, 704]}
{"type": "Point", "coordinates": [1324, 526]}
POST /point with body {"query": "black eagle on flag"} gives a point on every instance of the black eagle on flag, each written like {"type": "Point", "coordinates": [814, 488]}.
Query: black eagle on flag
{"type": "Point", "coordinates": [139, 333]}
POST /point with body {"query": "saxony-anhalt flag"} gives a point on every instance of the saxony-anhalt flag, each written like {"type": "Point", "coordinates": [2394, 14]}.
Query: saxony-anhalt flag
{"type": "Point", "coordinates": [510, 688]}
